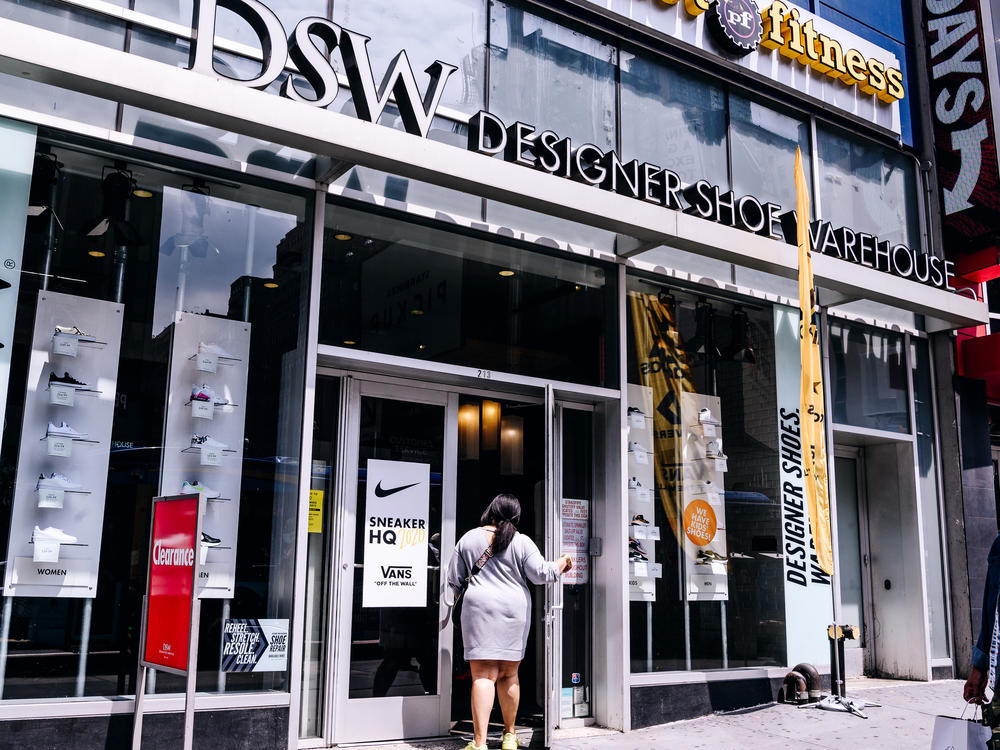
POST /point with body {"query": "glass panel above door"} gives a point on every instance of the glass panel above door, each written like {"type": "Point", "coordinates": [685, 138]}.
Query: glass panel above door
{"type": "Point", "coordinates": [409, 290]}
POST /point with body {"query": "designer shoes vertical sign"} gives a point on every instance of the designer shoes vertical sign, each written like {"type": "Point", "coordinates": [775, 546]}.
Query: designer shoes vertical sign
{"type": "Point", "coordinates": [397, 499]}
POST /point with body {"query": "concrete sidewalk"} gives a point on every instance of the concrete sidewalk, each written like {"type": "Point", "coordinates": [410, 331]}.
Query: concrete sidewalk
{"type": "Point", "coordinates": [906, 720]}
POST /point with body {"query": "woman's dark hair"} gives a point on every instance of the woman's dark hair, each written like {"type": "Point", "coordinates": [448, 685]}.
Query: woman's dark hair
{"type": "Point", "coordinates": [504, 513]}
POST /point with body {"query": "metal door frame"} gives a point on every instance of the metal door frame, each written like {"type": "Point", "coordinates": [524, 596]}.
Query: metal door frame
{"type": "Point", "coordinates": [857, 454]}
{"type": "Point", "coordinates": [343, 711]}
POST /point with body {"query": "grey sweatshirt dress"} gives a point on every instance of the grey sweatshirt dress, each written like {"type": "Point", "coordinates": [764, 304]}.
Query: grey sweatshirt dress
{"type": "Point", "coordinates": [496, 610]}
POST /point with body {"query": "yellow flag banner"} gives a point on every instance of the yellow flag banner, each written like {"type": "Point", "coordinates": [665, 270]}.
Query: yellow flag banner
{"type": "Point", "coordinates": [663, 366]}
{"type": "Point", "coordinates": [812, 408]}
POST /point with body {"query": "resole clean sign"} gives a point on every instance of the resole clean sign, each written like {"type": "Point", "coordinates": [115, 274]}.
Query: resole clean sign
{"type": "Point", "coordinates": [397, 501]}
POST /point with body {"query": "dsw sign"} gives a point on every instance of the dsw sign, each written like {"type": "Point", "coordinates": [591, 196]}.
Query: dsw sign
{"type": "Point", "coordinates": [304, 47]}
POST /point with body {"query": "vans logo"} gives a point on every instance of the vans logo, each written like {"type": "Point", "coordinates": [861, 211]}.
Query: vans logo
{"type": "Point", "coordinates": [397, 571]}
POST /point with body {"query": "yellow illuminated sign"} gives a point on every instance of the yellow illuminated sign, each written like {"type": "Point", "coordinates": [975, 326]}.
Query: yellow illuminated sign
{"type": "Point", "coordinates": [804, 43]}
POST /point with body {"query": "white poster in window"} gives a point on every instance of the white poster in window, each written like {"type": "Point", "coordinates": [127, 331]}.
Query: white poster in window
{"type": "Point", "coordinates": [703, 509]}
{"type": "Point", "coordinates": [62, 465]}
{"type": "Point", "coordinates": [808, 596]}
{"type": "Point", "coordinates": [397, 504]}
{"type": "Point", "coordinates": [576, 539]}
{"type": "Point", "coordinates": [205, 455]}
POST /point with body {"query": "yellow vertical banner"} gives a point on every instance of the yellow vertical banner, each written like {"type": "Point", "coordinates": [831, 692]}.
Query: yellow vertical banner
{"type": "Point", "coordinates": [812, 407]}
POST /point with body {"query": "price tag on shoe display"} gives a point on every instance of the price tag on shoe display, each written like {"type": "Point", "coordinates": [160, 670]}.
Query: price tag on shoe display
{"type": "Point", "coordinates": [46, 551]}
{"type": "Point", "coordinates": [59, 446]}
{"type": "Point", "coordinates": [206, 362]}
{"type": "Point", "coordinates": [61, 395]}
{"type": "Point", "coordinates": [51, 498]}
{"type": "Point", "coordinates": [211, 456]}
{"type": "Point", "coordinates": [641, 457]}
{"type": "Point", "coordinates": [721, 464]}
{"type": "Point", "coordinates": [202, 410]}
{"type": "Point", "coordinates": [637, 420]}
{"type": "Point", "coordinates": [65, 345]}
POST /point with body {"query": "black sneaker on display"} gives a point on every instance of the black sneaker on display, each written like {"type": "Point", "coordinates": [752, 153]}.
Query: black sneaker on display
{"type": "Point", "coordinates": [209, 541]}
{"type": "Point", "coordinates": [66, 379]}
{"type": "Point", "coordinates": [4, 285]}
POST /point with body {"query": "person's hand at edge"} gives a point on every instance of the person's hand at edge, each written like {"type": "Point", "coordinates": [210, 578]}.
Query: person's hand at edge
{"type": "Point", "coordinates": [975, 687]}
{"type": "Point", "coordinates": [564, 563]}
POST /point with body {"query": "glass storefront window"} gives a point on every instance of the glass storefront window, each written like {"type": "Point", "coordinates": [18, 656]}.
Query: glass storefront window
{"type": "Point", "coordinates": [763, 145]}
{"type": "Point", "coordinates": [693, 352]}
{"type": "Point", "coordinates": [868, 377]}
{"type": "Point", "coordinates": [453, 31]}
{"type": "Point", "coordinates": [409, 290]}
{"type": "Point", "coordinates": [868, 188]}
{"type": "Point", "coordinates": [674, 119]}
{"type": "Point", "coordinates": [929, 500]}
{"type": "Point", "coordinates": [184, 353]}
{"type": "Point", "coordinates": [554, 78]}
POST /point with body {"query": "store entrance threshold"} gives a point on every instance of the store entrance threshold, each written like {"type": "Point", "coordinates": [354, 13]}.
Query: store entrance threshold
{"type": "Point", "coordinates": [532, 738]}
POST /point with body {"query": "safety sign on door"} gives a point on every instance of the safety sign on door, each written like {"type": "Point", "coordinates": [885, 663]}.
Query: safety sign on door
{"type": "Point", "coordinates": [397, 500]}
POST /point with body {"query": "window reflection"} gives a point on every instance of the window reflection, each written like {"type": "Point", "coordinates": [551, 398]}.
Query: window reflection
{"type": "Point", "coordinates": [673, 119]}
{"type": "Point", "coordinates": [868, 377]}
{"type": "Point", "coordinates": [868, 188]}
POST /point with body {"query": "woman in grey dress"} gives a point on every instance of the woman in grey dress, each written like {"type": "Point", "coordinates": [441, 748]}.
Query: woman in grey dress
{"type": "Point", "coordinates": [496, 610]}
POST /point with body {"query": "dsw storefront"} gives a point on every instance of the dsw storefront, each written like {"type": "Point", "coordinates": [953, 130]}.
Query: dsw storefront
{"type": "Point", "coordinates": [350, 363]}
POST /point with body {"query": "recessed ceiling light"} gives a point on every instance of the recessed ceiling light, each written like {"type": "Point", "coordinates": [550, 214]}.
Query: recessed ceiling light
{"type": "Point", "coordinates": [270, 285]}
{"type": "Point", "coordinates": [348, 342]}
{"type": "Point", "coordinates": [421, 347]}
{"type": "Point", "coordinates": [96, 253]}
{"type": "Point", "coordinates": [342, 236]}
{"type": "Point", "coordinates": [578, 287]}
{"type": "Point", "coordinates": [506, 273]}
{"type": "Point", "coordinates": [416, 312]}
{"type": "Point", "coordinates": [140, 193]}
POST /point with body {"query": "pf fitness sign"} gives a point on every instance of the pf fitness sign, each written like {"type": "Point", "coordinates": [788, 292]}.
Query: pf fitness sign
{"type": "Point", "coordinates": [397, 500]}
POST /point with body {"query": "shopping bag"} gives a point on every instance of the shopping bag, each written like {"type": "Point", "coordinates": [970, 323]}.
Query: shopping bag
{"type": "Point", "coordinates": [959, 734]}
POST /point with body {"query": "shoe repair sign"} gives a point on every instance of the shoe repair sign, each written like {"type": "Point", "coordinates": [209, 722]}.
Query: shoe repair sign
{"type": "Point", "coordinates": [254, 646]}
{"type": "Point", "coordinates": [397, 498]}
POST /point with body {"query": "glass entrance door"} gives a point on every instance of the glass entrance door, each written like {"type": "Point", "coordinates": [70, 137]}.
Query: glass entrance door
{"type": "Point", "coordinates": [393, 659]}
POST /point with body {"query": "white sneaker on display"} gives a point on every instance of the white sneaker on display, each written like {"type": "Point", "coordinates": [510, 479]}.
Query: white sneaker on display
{"type": "Point", "coordinates": [705, 417]}
{"type": "Point", "coordinates": [636, 447]}
{"type": "Point", "coordinates": [205, 441]}
{"type": "Point", "coordinates": [196, 486]}
{"type": "Point", "coordinates": [52, 534]}
{"type": "Point", "coordinates": [634, 484]}
{"type": "Point", "coordinates": [56, 481]}
{"type": "Point", "coordinates": [64, 430]}
{"type": "Point", "coordinates": [214, 349]}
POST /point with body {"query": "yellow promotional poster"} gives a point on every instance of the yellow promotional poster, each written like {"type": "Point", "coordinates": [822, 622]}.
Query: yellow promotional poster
{"type": "Point", "coordinates": [812, 409]}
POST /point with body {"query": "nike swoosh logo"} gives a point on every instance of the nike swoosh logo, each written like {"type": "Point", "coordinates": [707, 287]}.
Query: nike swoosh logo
{"type": "Point", "coordinates": [379, 492]}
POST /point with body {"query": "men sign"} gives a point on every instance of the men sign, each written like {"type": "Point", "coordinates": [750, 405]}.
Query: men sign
{"type": "Point", "coordinates": [397, 501]}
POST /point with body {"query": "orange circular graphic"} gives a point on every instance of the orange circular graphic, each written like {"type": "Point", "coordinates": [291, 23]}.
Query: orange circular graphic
{"type": "Point", "coordinates": [700, 523]}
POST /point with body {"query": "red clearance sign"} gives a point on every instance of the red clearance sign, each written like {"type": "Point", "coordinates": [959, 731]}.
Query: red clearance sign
{"type": "Point", "coordinates": [171, 583]}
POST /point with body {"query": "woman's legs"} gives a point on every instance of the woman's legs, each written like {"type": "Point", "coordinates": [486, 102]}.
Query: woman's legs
{"type": "Point", "coordinates": [484, 677]}
{"type": "Point", "coordinates": [509, 692]}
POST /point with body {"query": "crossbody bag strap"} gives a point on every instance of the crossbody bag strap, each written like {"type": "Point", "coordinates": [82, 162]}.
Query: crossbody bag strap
{"type": "Point", "coordinates": [480, 563]}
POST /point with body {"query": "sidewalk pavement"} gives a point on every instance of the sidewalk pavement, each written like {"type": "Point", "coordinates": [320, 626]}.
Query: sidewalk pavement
{"type": "Point", "coordinates": [905, 720]}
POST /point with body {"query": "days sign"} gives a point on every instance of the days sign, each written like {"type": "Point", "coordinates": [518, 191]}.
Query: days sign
{"type": "Point", "coordinates": [254, 646]}
{"type": "Point", "coordinates": [544, 150]}
{"type": "Point", "coordinates": [397, 504]}
{"type": "Point", "coordinates": [964, 131]}
{"type": "Point", "coordinates": [808, 594]}
{"type": "Point", "coordinates": [170, 587]}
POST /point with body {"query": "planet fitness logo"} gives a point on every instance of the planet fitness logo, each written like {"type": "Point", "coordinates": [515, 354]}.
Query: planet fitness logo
{"type": "Point", "coordinates": [737, 25]}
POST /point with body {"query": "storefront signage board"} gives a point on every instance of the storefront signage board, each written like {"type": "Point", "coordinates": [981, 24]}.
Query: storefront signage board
{"type": "Point", "coordinates": [171, 610]}
{"type": "Point", "coordinates": [964, 129]}
{"type": "Point", "coordinates": [217, 464]}
{"type": "Point", "coordinates": [254, 646]}
{"type": "Point", "coordinates": [173, 562]}
{"type": "Point", "coordinates": [785, 43]}
{"type": "Point", "coordinates": [397, 506]}
{"type": "Point", "coordinates": [702, 511]}
{"type": "Point", "coordinates": [808, 590]}
{"type": "Point", "coordinates": [57, 521]}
